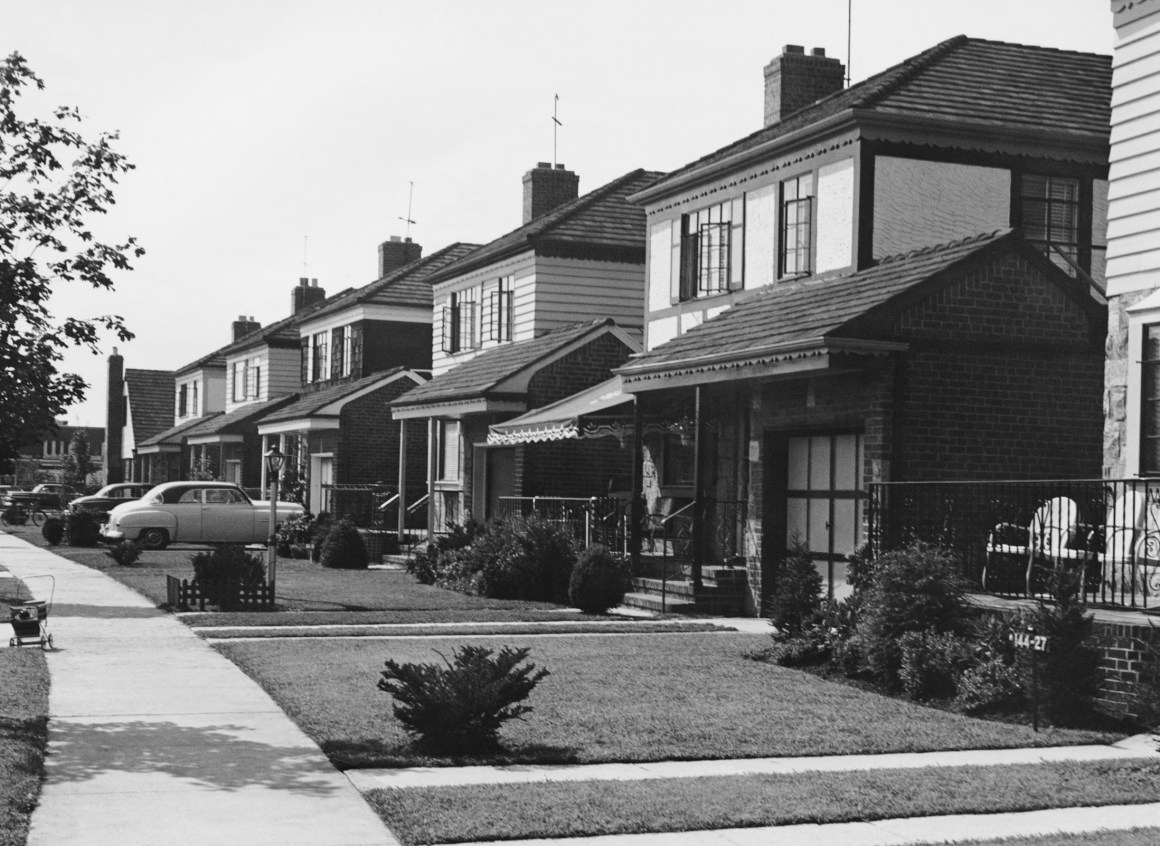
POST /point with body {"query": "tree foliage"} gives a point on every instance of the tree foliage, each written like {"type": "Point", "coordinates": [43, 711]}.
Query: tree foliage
{"type": "Point", "coordinates": [53, 183]}
{"type": "Point", "coordinates": [78, 464]}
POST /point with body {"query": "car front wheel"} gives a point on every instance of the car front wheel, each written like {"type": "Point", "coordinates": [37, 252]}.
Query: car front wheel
{"type": "Point", "coordinates": [153, 538]}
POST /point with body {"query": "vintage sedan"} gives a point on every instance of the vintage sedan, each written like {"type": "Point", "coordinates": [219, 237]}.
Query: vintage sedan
{"type": "Point", "coordinates": [194, 512]}
{"type": "Point", "coordinates": [110, 496]}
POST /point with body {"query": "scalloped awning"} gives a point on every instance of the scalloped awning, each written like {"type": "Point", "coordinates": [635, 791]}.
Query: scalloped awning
{"type": "Point", "coordinates": [595, 412]}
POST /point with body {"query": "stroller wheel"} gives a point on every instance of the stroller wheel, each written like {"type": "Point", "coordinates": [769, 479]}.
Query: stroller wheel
{"type": "Point", "coordinates": [11, 641]}
{"type": "Point", "coordinates": [50, 646]}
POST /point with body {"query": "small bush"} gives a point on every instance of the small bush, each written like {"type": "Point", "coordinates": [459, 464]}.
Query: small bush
{"type": "Point", "coordinates": [530, 558]}
{"type": "Point", "coordinates": [990, 686]}
{"type": "Point", "coordinates": [52, 531]}
{"type": "Point", "coordinates": [295, 535]}
{"type": "Point", "coordinates": [15, 516]}
{"type": "Point", "coordinates": [911, 590]}
{"type": "Point", "coordinates": [797, 591]}
{"type": "Point", "coordinates": [599, 581]}
{"type": "Point", "coordinates": [81, 529]}
{"type": "Point", "coordinates": [125, 553]}
{"type": "Point", "coordinates": [931, 663]}
{"type": "Point", "coordinates": [425, 566]}
{"type": "Point", "coordinates": [220, 572]}
{"type": "Point", "coordinates": [458, 707]}
{"type": "Point", "coordinates": [344, 548]}
{"type": "Point", "coordinates": [807, 648]}
{"type": "Point", "coordinates": [1069, 671]}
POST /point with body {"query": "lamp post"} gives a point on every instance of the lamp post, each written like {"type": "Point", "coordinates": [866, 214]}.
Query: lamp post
{"type": "Point", "coordinates": [274, 462]}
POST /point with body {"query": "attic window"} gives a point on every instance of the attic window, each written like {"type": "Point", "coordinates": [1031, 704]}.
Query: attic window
{"type": "Point", "coordinates": [1049, 217]}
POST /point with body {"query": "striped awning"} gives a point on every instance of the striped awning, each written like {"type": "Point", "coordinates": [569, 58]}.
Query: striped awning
{"type": "Point", "coordinates": [600, 411]}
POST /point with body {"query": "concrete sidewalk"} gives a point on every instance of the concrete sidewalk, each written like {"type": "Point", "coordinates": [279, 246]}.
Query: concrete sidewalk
{"type": "Point", "coordinates": [153, 737]}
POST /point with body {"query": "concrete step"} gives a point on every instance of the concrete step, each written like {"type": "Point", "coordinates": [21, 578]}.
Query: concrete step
{"type": "Point", "coordinates": [652, 602]}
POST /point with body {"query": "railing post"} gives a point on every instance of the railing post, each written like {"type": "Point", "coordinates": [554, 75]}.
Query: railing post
{"type": "Point", "coordinates": [588, 522]}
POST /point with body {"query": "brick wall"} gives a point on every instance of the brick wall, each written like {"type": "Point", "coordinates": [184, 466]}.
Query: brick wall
{"type": "Point", "coordinates": [388, 344]}
{"type": "Point", "coordinates": [582, 368]}
{"type": "Point", "coordinates": [368, 446]}
{"type": "Point", "coordinates": [1131, 656]}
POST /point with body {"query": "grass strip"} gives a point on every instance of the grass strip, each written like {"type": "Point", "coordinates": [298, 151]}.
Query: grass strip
{"type": "Point", "coordinates": [501, 812]}
{"type": "Point", "coordinates": [1127, 837]}
{"type": "Point", "coordinates": [23, 730]}
{"type": "Point", "coordinates": [482, 629]}
{"type": "Point", "coordinates": [409, 616]}
{"type": "Point", "coordinates": [649, 697]}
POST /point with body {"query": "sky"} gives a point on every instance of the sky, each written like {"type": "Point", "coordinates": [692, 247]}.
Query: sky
{"type": "Point", "coordinates": [276, 139]}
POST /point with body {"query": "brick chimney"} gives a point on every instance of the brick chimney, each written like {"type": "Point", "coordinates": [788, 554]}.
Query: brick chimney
{"type": "Point", "coordinates": [306, 294]}
{"type": "Point", "coordinates": [114, 420]}
{"type": "Point", "coordinates": [546, 187]}
{"type": "Point", "coordinates": [794, 80]}
{"type": "Point", "coordinates": [244, 326]}
{"type": "Point", "coordinates": [397, 252]}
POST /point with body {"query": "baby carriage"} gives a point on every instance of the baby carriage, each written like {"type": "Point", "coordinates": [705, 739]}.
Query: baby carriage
{"type": "Point", "coordinates": [30, 619]}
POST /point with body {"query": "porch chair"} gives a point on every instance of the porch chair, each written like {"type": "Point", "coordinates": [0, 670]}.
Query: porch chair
{"type": "Point", "coordinates": [1123, 531]}
{"type": "Point", "coordinates": [1018, 558]}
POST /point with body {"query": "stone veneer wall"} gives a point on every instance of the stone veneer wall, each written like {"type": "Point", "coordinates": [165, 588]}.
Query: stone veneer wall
{"type": "Point", "coordinates": [1116, 384]}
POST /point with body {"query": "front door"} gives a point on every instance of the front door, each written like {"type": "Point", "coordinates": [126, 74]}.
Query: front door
{"type": "Point", "coordinates": [820, 494]}
{"type": "Point", "coordinates": [501, 477]}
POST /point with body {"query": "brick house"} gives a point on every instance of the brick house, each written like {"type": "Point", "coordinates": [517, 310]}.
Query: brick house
{"type": "Point", "coordinates": [139, 406]}
{"type": "Point", "coordinates": [515, 327]}
{"type": "Point", "coordinates": [356, 353]}
{"type": "Point", "coordinates": [900, 281]}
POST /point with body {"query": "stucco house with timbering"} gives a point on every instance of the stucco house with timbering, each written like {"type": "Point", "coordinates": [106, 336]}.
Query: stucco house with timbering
{"type": "Point", "coordinates": [897, 281]}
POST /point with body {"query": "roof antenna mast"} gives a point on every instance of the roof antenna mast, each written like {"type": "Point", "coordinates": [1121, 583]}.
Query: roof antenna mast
{"type": "Point", "coordinates": [555, 128]}
{"type": "Point", "coordinates": [407, 219]}
{"type": "Point", "coordinates": [849, 30]}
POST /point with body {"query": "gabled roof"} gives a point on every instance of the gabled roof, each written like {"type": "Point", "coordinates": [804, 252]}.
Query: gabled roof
{"type": "Point", "coordinates": [410, 285]}
{"type": "Point", "coordinates": [312, 403]}
{"type": "Point", "coordinates": [236, 420]}
{"type": "Point", "coordinates": [600, 224]}
{"type": "Point", "coordinates": [150, 401]}
{"type": "Point", "coordinates": [962, 82]}
{"type": "Point", "coordinates": [281, 333]}
{"type": "Point", "coordinates": [174, 434]}
{"type": "Point", "coordinates": [486, 371]}
{"type": "Point", "coordinates": [821, 311]}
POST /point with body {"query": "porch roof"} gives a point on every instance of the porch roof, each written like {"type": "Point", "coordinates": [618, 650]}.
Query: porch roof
{"type": "Point", "coordinates": [220, 427]}
{"type": "Point", "coordinates": [328, 401]}
{"type": "Point", "coordinates": [800, 327]}
{"type": "Point", "coordinates": [171, 438]}
{"type": "Point", "coordinates": [584, 414]}
{"type": "Point", "coordinates": [496, 373]}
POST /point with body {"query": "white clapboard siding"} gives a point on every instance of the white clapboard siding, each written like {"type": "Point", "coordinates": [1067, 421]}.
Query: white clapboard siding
{"type": "Point", "coordinates": [283, 374]}
{"type": "Point", "coordinates": [570, 291]}
{"type": "Point", "coordinates": [1133, 196]}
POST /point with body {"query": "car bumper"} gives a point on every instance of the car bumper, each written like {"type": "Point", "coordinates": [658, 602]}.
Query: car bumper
{"type": "Point", "coordinates": [111, 535]}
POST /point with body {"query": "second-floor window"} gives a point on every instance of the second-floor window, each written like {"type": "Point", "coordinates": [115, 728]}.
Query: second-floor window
{"type": "Point", "coordinates": [240, 379]}
{"type": "Point", "coordinates": [1049, 217]}
{"type": "Point", "coordinates": [710, 250]}
{"type": "Point", "coordinates": [253, 381]}
{"type": "Point", "coordinates": [183, 401]}
{"type": "Point", "coordinates": [459, 322]}
{"type": "Point", "coordinates": [500, 321]}
{"type": "Point", "coordinates": [797, 224]}
{"type": "Point", "coordinates": [316, 371]}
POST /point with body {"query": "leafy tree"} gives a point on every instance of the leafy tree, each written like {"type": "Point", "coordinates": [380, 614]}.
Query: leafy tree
{"type": "Point", "coordinates": [53, 182]}
{"type": "Point", "coordinates": [78, 464]}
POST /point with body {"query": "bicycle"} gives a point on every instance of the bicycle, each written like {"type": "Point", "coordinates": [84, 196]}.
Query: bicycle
{"type": "Point", "coordinates": [19, 515]}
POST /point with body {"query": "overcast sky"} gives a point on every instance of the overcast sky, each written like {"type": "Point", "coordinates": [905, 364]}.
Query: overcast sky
{"type": "Point", "coordinates": [278, 138]}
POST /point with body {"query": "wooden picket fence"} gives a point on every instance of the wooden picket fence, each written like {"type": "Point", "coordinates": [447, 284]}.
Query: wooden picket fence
{"type": "Point", "coordinates": [185, 595]}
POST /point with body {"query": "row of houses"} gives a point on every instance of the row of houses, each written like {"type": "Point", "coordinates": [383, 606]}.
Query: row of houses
{"type": "Point", "coordinates": [900, 280]}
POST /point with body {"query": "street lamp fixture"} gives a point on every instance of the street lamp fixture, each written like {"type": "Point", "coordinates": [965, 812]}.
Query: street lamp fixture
{"type": "Point", "coordinates": [275, 461]}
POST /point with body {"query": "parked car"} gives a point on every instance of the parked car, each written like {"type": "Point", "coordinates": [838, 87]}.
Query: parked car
{"type": "Point", "coordinates": [104, 500]}
{"type": "Point", "coordinates": [193, 512]}
{"type": "Point", "coordinates": [49, 496]}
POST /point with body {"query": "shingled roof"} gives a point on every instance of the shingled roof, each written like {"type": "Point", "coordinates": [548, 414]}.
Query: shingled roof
{"type": "Point", "coordinates": [601, 224]}
{"type": "Point", "coordinates": [235, 421]}
{"type": "Point", "coordinates": [970, 82]}
{"type": "Point", "coordinates": [173, 435]}
{"type": "Point", "coordinates": [824, 309]}
{"type": "Point", "coordinates": [150, 401]}
{"type": "Point", "coordinates": [478, 376]}
{"type": "Point", "coordinates": [409, 285]}
{"type": "Point", "coordinates": [312, 403]}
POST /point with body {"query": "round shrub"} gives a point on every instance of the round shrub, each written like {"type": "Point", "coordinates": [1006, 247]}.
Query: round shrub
{"type": "Point", "coordinates": [598, 581]}
{"type": "Point", "coordinates": [343, 548]}
{"type": "Point", "coordinates": [125, 553]}
{"type": "Point", "coordinates": [990, 686]}
{"type": "Point", "coordinates": [52, 531]}
{"type": "Point", "coordinates": [932, 662]}
{"type": "Point", "coordinates": [81, 529]}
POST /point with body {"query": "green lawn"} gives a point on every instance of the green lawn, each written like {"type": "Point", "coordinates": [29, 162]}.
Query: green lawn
{"type": "Point", "coordinates": [1128, 837]}
{"type": "Point", "coordinates": [555, 626]}
{"type": "Point", "coordinates": [569, 809]}
{"type": "Point", "coordinates": [642, 697]}
{"type": "Point", "coordinates": [23, 728]}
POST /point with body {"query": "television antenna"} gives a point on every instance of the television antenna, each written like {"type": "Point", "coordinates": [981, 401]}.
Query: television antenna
{"type": "Point", "coordinates": [556, 124]}
{"type": "Point", "coordinates": [407, 219]}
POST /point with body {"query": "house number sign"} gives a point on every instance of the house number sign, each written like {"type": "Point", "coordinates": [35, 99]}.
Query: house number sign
{"type": "Point", "coordinates": [1029, 640]}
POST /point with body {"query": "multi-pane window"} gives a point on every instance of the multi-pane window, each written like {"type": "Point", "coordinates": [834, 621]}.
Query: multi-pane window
{"type": "Point", "coordinates": [239, 381]}
{"type": "Point", "coordinates": [194, 408]}
{"type": "Point", "coordinates": [708, 254]}
{"type": "Point", "coordinates": [318, 359]}
{"type": "Point", "coordinates": [500, 299]}
{"type": "Point", "coordinates": [183, 401]}
{"type": "Point", "coordinates": [459, 321]}
{"type": "Point", "coordinates": [253, 381]}
{"type": "Point", "coordinates": [449, 450]}
{"type": "Point", "coordinates": [1049, 217]}
{"type": "Point", "coordinates": [1150, 402]}
{"type": "Point", "coordinates": [797, 219]}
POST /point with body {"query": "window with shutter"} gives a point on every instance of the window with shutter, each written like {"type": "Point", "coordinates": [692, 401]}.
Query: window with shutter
{"type": "Point", "coordinates": [338, 353]}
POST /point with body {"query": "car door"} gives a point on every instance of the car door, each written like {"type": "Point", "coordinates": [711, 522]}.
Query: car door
{"type": "Point", "coordinates": [186, 513]}
{"type": "Point", "coordinates": [227, 517]}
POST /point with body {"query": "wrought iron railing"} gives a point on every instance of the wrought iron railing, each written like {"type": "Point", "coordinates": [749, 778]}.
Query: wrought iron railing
{"type": "Point", "coordinates": [360, 504]}
{"type": "Point", "coordinates": [1011, 536]}
{"type": "Point", "coordinates": [591, 520]}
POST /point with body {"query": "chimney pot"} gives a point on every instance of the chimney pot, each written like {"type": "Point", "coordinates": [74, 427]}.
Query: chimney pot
{"type": "Point", "coordinates": [313, 283]}
{"type": "Point", "coordinates": [395, 239]}
{"type": "Point", "coordinates": [305, 295]}
{"type": "Point", "coordinates": [396, 253]}
{"type": "Point", "coordinates": [546, 188]}
{"type": "Point", "coordinates": [794, 80]}
{"type": "Point", "coordinates": [303, 281]}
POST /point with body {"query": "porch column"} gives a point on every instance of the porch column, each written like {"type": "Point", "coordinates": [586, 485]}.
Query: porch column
{"type": "Point", "coordinates": [634, 505]}
{"type": "Point", "coordinates": [432, 469]}
{"type": "Point", "coordinates": [265, 483]}
{"type": "Point", "coordinates": [698, 500]}
{"type": "Point", "coordinates": [402, 481]}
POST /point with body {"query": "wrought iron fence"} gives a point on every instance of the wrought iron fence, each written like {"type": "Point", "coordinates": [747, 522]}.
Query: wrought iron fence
{"type": "Point", "coordinates": [597, 519]}
{"type": "Point", "coordinates": [1012, 535]}
{"type": "Point", "coordinates": [361, 504]}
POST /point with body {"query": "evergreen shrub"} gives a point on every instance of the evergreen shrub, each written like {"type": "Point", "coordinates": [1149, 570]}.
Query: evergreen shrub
{"type": "Point", "coordinates": [797, 592]}
{"type": "Point", "coordinates": [343, 548]}
{"type": "Point", "coordinates": [125, 553]}
{"type": "Point", "coordinates": [599, 580]}
{"type": "Point", "coordinates": [52, 531]}
{"type": "Point", "coordinates": [81, 529]}
{"type": "Point", "coordinates": [219, 573]}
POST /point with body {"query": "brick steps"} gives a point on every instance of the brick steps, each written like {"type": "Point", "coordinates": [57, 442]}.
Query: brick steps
{"type": "Point", "coordinates": [722, 591]}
